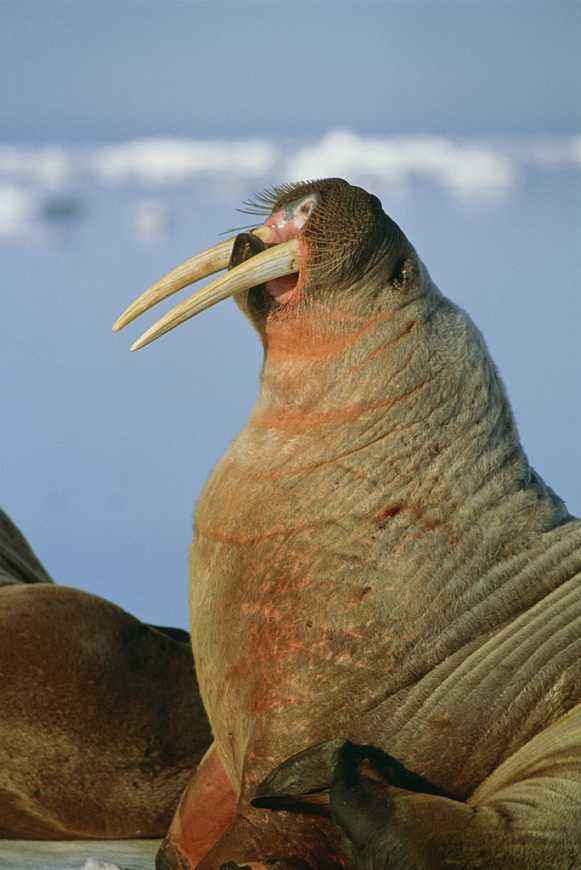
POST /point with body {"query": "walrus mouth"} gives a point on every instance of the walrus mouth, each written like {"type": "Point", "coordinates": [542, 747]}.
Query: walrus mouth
{"type": "Point", "coordinates": [277, 268]}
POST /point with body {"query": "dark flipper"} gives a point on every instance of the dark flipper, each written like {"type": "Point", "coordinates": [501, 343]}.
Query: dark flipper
{"type": "Point", "coordinates": [302, 783]}
{"type": "Point", "coordinates": [349, 783]}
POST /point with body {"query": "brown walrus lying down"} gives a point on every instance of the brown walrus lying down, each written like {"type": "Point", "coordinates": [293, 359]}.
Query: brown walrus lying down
{"type": "Point", "coordinates": [100, 719]}
{"type": "Point", "coordinates": [375, 559]}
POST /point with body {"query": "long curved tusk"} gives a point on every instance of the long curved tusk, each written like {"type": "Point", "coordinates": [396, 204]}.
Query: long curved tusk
{"type": "Point", "coordinates": [279, 260]}
{"type": "Point", "coordinates": [199, 266]}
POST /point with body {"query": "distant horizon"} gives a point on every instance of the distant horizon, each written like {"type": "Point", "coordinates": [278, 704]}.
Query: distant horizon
{"type": "Point", "coordinates": [53, 183]}
{"type": "Point", "coordinates": [115, 134]}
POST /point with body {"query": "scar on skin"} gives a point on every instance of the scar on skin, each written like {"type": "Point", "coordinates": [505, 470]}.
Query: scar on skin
{"type": "Point", "coordinates": [298, 421]}
{"type": "Point", "coordinates": [378, 351]}
{"type": "Point", "coordinates": [264, 610]}
{"type": "Point", "coordinates": [359, 594]}
{"type": "Point", "coordinates": [387, 513]}
{"type": "Point", "coordinates": [217, 534]}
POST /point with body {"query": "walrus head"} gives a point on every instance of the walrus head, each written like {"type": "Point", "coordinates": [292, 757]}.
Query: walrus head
{"type": "Point", "coordinates": [319, 244]}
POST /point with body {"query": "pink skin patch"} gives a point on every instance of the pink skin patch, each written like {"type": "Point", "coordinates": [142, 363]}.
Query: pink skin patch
{"type": "Point", "coordinates": [286, 224]}
{"type": "Point", "coordinates": [206, 808]}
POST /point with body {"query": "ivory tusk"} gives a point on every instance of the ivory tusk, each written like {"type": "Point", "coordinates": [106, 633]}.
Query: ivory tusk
{"type": "Point", "coordinates": [282, 259]}
{"type": "Point", "coordinates": [199, 266]}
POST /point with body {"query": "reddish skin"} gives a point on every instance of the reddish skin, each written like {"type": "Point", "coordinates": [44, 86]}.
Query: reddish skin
{"type": "Point", "coordinates": [282, 289]}
{"type": "Point", "coordinates": [286, 224]}
{"type": "Point", "coordinates": [208, 805]}
{"type": "Point", "coordinates": [206, 808]}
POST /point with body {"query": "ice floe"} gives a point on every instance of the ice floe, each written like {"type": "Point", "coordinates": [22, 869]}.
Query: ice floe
{"type": "Point", "coordinates": [78, 855]}
{"type": "Point", "coordinates": [48, 165]}
{"type": "Point", "coordinates": [151, 220]}
{"type": "Point", "coordinates": [467, 169]}
{"type": "Point", "coordinates": [172, 161]}
{"type": "Point", "coordinates": [19, 210]}
{"type": "Point", "coordinates": [40, 184]}
{"type": "Point", "coordinates": [94, 864]}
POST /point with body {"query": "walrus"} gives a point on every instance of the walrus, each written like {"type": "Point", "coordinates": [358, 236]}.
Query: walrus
{"type": "Point", "coordinates": [375, 560]}
{"type": "Point", "coordinates": [101, 723]}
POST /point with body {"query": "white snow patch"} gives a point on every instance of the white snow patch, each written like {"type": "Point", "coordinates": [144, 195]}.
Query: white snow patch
{"type": "Point", "coordinates": [172, 161]}
{"type": "Point", "coordinates": [93, 864]}
{"type": "Point", "coordinates": [466, 169]}
{"type": "Point", "coordinates": [78, 855]}
{"type": "Point", "coordinates": [49, 165]}
{"type": "Point", "coordinates": [151, 218]}
{"type": "Point", "coordinates": [18, 211]}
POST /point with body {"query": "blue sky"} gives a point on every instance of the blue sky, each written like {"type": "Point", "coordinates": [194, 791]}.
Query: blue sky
{"type": "Point", "coordinates": [119, 68]}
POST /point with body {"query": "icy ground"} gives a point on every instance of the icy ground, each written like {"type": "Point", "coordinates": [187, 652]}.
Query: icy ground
{"type": "Point", "coordinates": [85, 855]}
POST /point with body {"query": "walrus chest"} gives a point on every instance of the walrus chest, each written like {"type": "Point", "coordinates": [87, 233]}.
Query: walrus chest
{"type": "Point", "coordinates": [276, 617]}
{"type": "Point", "coordinates": [284, 606]}
{"type": "Point", "coordinates": [310, 589]}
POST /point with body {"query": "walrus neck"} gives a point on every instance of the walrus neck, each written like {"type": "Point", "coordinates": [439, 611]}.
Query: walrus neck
{"type": "Point", "coordinates": [317, 338]}
{"type": "Point", "coordinates": [400, 382]}
{"type": "Point", "coordinates": [382, 447]}
{"type": "Point", "coordinates": [326, 344]}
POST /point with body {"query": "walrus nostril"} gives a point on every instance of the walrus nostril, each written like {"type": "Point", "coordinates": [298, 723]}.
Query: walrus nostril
{"type": "Point", "coordinates": [245, 245]}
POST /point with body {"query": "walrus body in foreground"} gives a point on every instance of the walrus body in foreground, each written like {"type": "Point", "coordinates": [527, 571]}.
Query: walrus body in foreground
{"type": "Point", "coordinates": [100, 720]}
{"type": "Point", "coordinates": [375, 559]}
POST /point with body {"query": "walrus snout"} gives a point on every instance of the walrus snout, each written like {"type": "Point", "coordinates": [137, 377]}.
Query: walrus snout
{"type": "Point", "coordinates": [339, 230]}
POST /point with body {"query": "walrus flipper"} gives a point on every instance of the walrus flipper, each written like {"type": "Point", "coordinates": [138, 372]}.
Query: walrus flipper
{"type": "Point", "coordinates": [526, 814]}
{"type": "Point", "coordinates": [301, 783]}
{"type": "Point", "coordinates": [346, 782]}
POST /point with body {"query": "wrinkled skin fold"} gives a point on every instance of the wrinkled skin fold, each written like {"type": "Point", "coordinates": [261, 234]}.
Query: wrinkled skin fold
{"type": "Point", "coordinates": [375, 560]}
